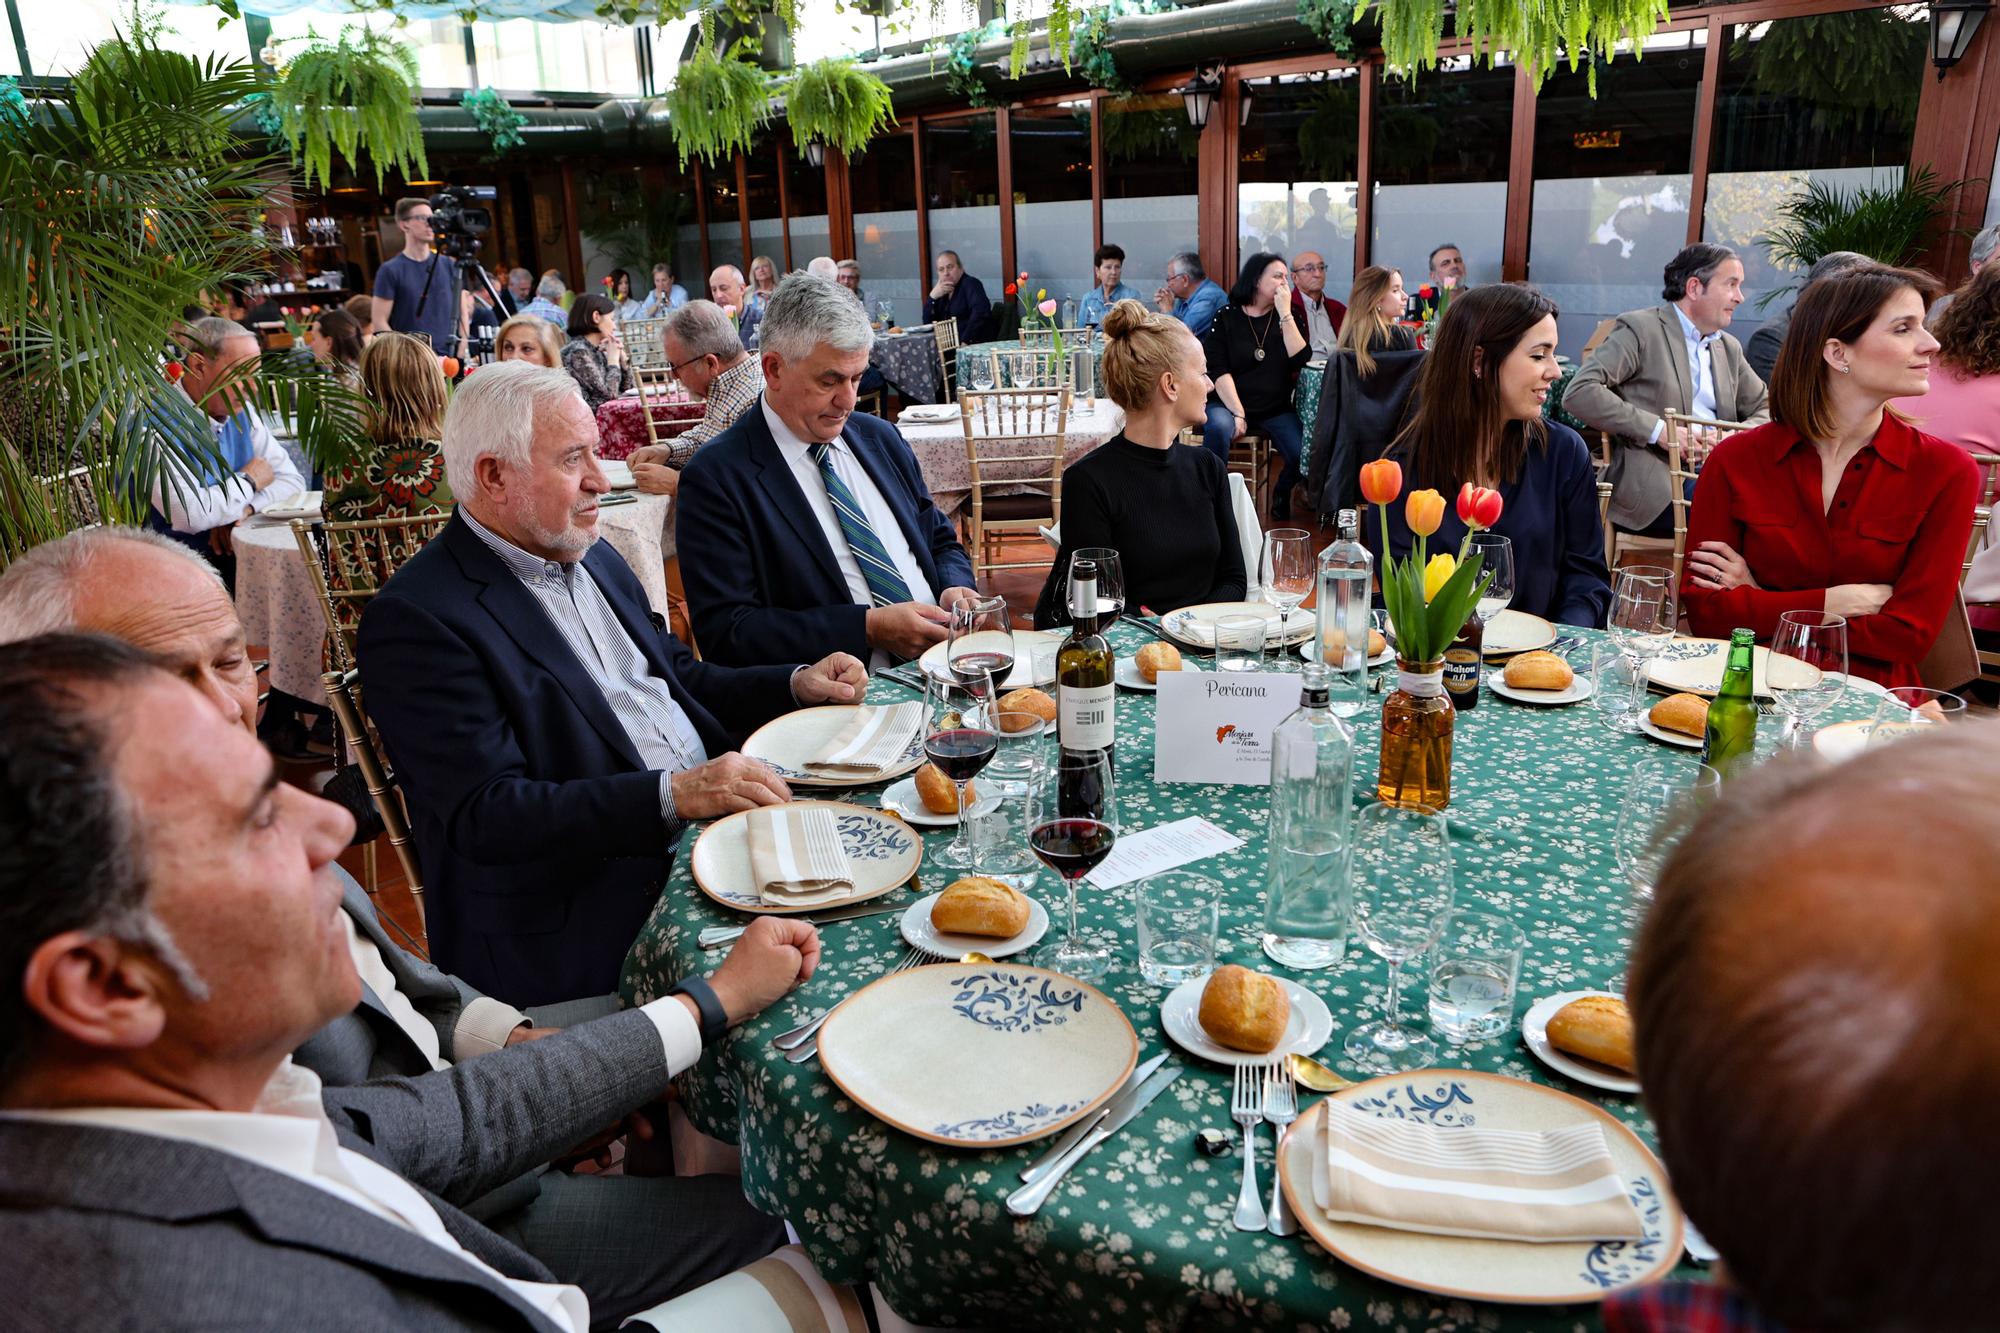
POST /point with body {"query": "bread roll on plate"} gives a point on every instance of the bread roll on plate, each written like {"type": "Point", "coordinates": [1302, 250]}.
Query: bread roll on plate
{"type": "Point", "coordinates": [938, 794]}
{"type": "Point", "coordinates": [1155, 658]}
{"type": "Point", "coordinates": [1596, 1027]}
{"type": "Point", "coordinates": [981, 905]}
{"type": "Point", "coordinates": [1685, 713]}
{"type": "Point", "coordinates": [1539, 671]}
{"type": "Point", "coordinates": [1334, 644]}
{"type": "Point", "coordinates": [1244, 1010]}
{"type": "Point", "coordinates": [1024, 701]}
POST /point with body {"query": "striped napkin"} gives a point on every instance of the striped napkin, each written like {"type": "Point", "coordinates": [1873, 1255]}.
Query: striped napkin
{"type": "Point", "coordinates": [796, 858]}
{"type": "Point", "coordinates": [1453, 1180]}
{"type": "Point", "coordinates": [874, 739]}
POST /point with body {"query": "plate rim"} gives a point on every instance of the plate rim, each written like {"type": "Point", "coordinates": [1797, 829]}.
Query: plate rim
{"type": "Point", "coordinates": [1654, 731]}
{"type": "Point", "coordinates": [1246, 1058]}
{"type": "Point", "coordinates": [1383, 658]}
{"type": "Point", "coordinates": [1307, 1213]}
{"type": "Point", "coordinates": [1009, 944]}
{"type": "Point", "coordinates": [1580, 1073]}
{"type": "Point", "coordinates": [1120, 670]}
{"type": "Point", "coordinates": [1545, 623]}
{"type": "Point", "coordinates": [921, 818]}
{"type": "Point", "coordinates": [1499, 686]}
{"type": "Point", "coordinates": [695, 874]}
{"type": "Point", "coordinates": [1653, 683]}
{"type": "Point", "coordinates": [1209, 647]}
{"type": "Point", "coordinates": [1863, 724]}
{"type": "Point", "coordinates": [889, 775]}
{"type": "Point", "coordinates": [1131, 1060]}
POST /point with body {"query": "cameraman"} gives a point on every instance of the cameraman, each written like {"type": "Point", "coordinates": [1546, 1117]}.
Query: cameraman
{"type": "Point", "coordinates": [400, 285]}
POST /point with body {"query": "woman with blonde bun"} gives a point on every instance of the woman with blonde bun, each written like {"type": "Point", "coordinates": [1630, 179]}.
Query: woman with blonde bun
{"type": "Point", "coordinates": [1164, 507]}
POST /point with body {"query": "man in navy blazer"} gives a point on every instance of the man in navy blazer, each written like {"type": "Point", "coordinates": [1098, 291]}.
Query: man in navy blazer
{"type": "Point", "coordinates": [791, 550]}
{"type": "Point", "coordinates": [552, 737]}
{"type": "Point", "coordinates": [958, 295]}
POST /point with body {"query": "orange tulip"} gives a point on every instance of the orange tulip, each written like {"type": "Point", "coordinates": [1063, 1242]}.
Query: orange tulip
{"type": "Point", "coordinates": [1423, 511]}
{"type": "Point", "coordinates": [449, 365]}
{"type": "Point", "coordinates": [1381, 481]}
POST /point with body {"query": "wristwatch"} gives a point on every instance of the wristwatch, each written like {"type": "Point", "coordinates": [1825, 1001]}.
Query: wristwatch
{"type": "Point", "coordinates": [714, 1019]}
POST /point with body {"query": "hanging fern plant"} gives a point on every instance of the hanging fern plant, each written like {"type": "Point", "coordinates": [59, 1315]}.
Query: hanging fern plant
{"type": "Point", "coordinates": [355, 95]}
{"type": "Point", "coordinates": [961, 65]}
{"type": "Point", "coordinates": [1332, 21]}
{"type": "Point", "coordinates": [1538, 35]}
{"type": "Point", "coordinates": [839, 103]}
{"type": "Point", "coordinates": [716, 106]}
{"type": "Point", "coordinates": [497, 117]}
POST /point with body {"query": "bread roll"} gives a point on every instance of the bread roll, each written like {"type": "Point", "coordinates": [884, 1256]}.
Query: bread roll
{"type": "Point", "coordinates": [1334, 646]}
{"type": "Point", "coordinates": [979, 905]}
{"type": "Point", "coordinates": [1024, 701]}
{"type": "Point", "coordinates": [1597, 1027]}
{"type": "Point", "coordinates": [1157, 657]}
{"type": "Point", "coordinates": [1244, 1010]}
{"type": "Point", "coordinates": [938, 794]}
{"type": "Point", "coordinates": [1685, 713]}
{"type": "Point", "coordinates": [1539, 671]}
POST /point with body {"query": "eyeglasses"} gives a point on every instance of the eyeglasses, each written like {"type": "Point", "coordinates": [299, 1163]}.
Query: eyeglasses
{"type": "Point", "coordinates": [1310, 268]}
{"type": "Point", "coordinates": [675, 368]}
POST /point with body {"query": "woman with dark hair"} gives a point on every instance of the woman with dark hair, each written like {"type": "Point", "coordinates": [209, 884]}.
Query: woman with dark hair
{"type": "Point", "coordinates": [335, 342]}
{"type": "Point", "coordinates": [629, 305]}
{"type": "Point", "coordinates": [1254, 352]}
{"type": "Point", "coordinates": [1478, 419]}
{"type": "Point", "coordinates": [593, 355]}
{"type": "Point", "coordinates": [1839, 504]}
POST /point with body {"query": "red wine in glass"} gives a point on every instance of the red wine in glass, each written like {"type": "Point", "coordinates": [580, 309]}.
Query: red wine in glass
{"type": "Point", "coordinates": [1073, 847]}
{"type": "Point", "coordinates": [961, 752]}
{"type": "Point", "coordinates": [970, 667]}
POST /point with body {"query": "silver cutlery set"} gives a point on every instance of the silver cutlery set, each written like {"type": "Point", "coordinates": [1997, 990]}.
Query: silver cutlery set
{"type": "Point", "coordinates": [1263, 1093]}
{"type": "Point", "coordinates": [801, 1044]}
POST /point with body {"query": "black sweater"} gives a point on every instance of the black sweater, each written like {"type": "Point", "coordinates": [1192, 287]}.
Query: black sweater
{"type": "Point", "coordinates": [1167, 514]}
{"type": "Point", "coordinates": [1264, 387]}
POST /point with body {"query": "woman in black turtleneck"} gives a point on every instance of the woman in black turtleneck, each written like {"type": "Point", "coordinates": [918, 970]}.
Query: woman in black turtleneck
{"type": "Point", "coordinates": [1164, 507]}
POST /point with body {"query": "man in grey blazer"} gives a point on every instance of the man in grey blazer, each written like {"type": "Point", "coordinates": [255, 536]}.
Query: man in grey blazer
{"type": "Point", "coordinates": [1673, 357]}
{"type": "Point", "coordinates": [169, 933]}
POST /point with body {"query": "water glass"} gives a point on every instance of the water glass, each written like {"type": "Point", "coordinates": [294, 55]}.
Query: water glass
{"type": "Point", "coordinates": [1662, 799]}
{"type": "Point", "coordinates": [1818, 641]}
{"type": "Point", "coordinates": [1179, 918]}
{"type": "Point", "coordinates": [1911, 710]}
{"type": "Point", "coordinates": [1615, 681]}
{"type": "Point", "coordinates": [1239, 643]}
{"type": "Point", "coordinates": [1475, 969]}
{"type": "Point", "coordinates": [1010, 796]}
{"type": "Point", "coordinates": [982, 374]}
{"type": "Point", "coordinates": [1404, 882]}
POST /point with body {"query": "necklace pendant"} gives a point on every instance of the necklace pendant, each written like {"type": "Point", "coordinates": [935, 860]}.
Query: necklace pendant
{"type": "Point", "coordinates": [1260, 353]}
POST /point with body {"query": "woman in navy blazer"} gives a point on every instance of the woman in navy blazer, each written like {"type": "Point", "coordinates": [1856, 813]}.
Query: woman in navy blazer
{"type": "Point", "coordinates": [1479, 419]}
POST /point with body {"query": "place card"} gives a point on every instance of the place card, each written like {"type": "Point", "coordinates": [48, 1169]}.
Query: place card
{"type": "Point", "coordinates": [1165, 847]}
{"type": "Point", "coordinates": [1215, 726]}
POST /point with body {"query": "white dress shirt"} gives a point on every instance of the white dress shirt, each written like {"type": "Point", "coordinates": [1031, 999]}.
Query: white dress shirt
{"type": "Point", "coordinates": [289, 1132]}
{"type": "Point", "coordinates": [483, 1025]}
{"type": "Point", "coordinates": [190, 507]}
{"type": "Point", "coordinates": [1701, 372]}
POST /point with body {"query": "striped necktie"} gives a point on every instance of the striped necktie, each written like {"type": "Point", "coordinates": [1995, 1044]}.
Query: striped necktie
{"type": "Point", "coordinates": [885, 585]}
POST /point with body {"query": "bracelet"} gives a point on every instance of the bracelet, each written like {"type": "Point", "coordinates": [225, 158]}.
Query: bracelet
{"type": "Point", "coordinates": [714, 1019]}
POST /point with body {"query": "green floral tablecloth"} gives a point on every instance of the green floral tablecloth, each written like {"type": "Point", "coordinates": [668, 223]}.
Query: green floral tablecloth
{"type": "Point", "coordinates": [1139, 1237]}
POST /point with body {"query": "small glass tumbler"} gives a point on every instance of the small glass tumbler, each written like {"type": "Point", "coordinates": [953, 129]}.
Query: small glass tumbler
{"type": "Point", "coordinates": [1179, 916]}
{"type": "Point", "coordinates": [1615, 685]}
{"type": "Point", "coordinates": [1239, 643]}
{"type": "Point", "coordinates": [1475, 967]}
{"type": "Point", "coordinates": [1011, 793]}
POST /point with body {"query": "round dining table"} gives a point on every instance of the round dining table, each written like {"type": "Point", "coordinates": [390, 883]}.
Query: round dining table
{"type": "Point", "coordinates": [278, 603]}
{"type": "Point", "coordinates": [1139, 1235]}
{"type": "Point", "coordinates": [642, 530]}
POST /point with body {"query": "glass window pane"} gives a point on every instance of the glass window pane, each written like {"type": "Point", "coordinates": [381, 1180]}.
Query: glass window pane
{"type": "Point", "coordinates": [725, 224]}
{"type": "Point", "coordinates": [1441, 143]}
{"type": "Point", "coordinates": [527, 55]}
{"type": "Point", "coordinates": [60, 36]}
{"type": "Point", "coordinates": [1052, 225]}
{"type": "Point", "coordinates": [805, 201]}
{"type": "Point", "coordinates": [1152, 185]}
{"type": "Point", "coordinates": [883, 182]}
{"type": "Point", "coordinates": [767, 220]}
{"type": "Point", "coordinates": [1613, 177]}
{"type": "Point", "coordinates": [962, 192]}
{"type": "Point", "coordinates": [1829, 98]}
{"type": "Point", "coordinates": [1296, 186]}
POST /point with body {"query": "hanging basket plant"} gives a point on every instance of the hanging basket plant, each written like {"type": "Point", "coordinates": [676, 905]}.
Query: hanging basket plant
{"type": "Point", "coordinates": [355, 95]}
{"type": "Point", "coordinates": [716, 106]}
{"type": "Point", "coordinates": [839, 103]}
{"type": "Point", "coordinates": [1538, 35]}
{"type": "Point", "coordinates": [496, 116]}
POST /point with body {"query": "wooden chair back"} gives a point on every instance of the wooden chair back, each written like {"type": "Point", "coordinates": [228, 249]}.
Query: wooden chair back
{"type": "Point", "coordinates": [1045, 337]}
{"type": "Point", "coordinates": [655, 383]}
{"type": "Point", "coordinates": [351, 561]}
{"type": "Point", "coordinates": [645, 342]}
{"type": "Point", "coordinates": [998, 424]}
{"type": "Point", "coordinates": [1604, 489]}
{"type": "Point", "coordinates": [1679, 473]}
{"type": "Point", "coordinates": [343, 695]}
{"type": "Point", "coordinates": [946, 332]}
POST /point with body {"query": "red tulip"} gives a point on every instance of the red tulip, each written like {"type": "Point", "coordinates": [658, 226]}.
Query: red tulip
{"type": "Point", "coordinates": [1427, 291]}
{"type": "Point", "coordinates": [1381, 481]}
{"type": "Point", "coordinates": [1011, 288]}
{"type": "Point", "coordinates": [1478, 506]}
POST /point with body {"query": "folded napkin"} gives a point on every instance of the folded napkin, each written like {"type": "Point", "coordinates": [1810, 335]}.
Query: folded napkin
{"type": "Point", "coordinates": [931, 412]}
{"type": "Point", "coordinates": [796, 857]}
{"type": "Point", "coordinates": [1454, 1180]}
{"type": "Point", "coordinates": [873, 739]}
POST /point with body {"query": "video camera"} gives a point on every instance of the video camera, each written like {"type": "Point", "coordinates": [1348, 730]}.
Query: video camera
{"type": "Point", "coordinates": [459, 217]}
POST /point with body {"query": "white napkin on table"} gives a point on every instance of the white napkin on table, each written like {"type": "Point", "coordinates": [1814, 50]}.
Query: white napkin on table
{"type": "Point", "coordinates": [796, 858]}
{"type": "Point", "coordinates": [873, 739]}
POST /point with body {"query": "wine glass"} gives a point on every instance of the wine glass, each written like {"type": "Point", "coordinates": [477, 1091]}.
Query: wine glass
{"type": "Point", "coordinates": [1818, 641]}
{"type": "Point", "coordinates": [1403, 889]}
{"type": "Point", "coordinates": [1073, 840]}
{"type": "Point", "coordinates": [1911, 710]}
{"type": "Point", "coordinates": [960, 739]}
{"type": "Point", "coordinates": [1110, 582]}
{"type": "Point", "coordinates": [979, 645]}
{"type": "Point", "coordinates": [1286, 571]}
{"type": "Point", "coordinates": [982, 374]}
{"type": "Point", "coordinates": [1496, 557]}
{"type": "Point", "coordinates": [1642, 617]}
{"type": "Point", "coordinates": [1662, 799]}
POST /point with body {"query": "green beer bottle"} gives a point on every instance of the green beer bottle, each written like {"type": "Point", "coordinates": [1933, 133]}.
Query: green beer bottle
{"type": "Point", "coordinates": [1731, 738]}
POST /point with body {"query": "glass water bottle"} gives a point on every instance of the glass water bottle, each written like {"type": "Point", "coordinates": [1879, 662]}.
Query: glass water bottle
{"type": "Point", "coordinates": [1340, 615]}
{"type": "Point", "coordinates": [1308, 903]}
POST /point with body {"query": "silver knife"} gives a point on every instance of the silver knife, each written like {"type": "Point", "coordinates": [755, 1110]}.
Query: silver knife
{"type": "Point", "coordinates": [1027, 1200]}
{"type": "Point", "coordinates": [1074, 1134]}
{"type": "Point", "coordinates": [714, 937]}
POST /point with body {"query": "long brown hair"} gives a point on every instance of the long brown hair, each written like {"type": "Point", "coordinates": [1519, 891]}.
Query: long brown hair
{"type": "Point", "coordinates": [1459, 415]}
{"type": "Point", "coordinates": [1968, 332]}
{"type": "Point", "coordinates": [405, 388]}
{"type": "Point", "coordinates": [1838, 308]}
{"type": "Point", "coordinates": [1364, 326]}
{"type": "Point", "coordinates": [339, 328]}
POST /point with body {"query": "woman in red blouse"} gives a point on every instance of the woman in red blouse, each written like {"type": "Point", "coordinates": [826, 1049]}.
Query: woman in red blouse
{"type": "Point", "coordinates": [1838, 505]}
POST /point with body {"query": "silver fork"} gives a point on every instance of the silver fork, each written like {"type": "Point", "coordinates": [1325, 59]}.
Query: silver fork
{"type": "Point", "coordinates": [798, 1036]}
{"type": "Point", "coordinates": [1281, 1108]}
{"type": "Point", "coordinates": [1246, 1108]}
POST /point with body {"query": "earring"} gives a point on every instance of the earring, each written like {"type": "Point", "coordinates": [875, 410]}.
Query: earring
{"type": "Point", "coordinates": [1843, 369]}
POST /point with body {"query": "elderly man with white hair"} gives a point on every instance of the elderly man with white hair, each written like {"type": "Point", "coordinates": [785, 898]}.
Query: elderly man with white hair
{"type": "Point", "coordinates": [553, 738]}
{"type": "Point", "coordinates": [813, 522]}
{"type": "Point", "coordinates": [704, 351]}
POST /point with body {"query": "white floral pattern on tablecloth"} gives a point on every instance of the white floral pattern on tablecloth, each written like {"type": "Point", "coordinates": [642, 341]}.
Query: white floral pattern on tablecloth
{"type": "Point", "coordinates": [909, 361]}
{"type": "Point", "coordinates": [643, 533]}
{"type": "Point", "coordinates": [279, 606]}
{"type": "Point", "coordinates": [940, 450]}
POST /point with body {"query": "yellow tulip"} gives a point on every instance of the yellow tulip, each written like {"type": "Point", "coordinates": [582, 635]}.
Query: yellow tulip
{"type": "Point", "coordinates": [1437, 573]}
{"type": "Point", "coordinates": [1423, 511]}
{"type": "Point", "coordinates": [1041, 293]}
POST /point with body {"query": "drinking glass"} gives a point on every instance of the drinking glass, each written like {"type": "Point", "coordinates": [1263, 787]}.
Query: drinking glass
{"type": "Point", "coordinates": [1239, 643]}
{"type": "Point", "coordinates": [1662, 799]}
{"type": "Point", "coordinates": [1403, 888]}
{"type": "Point", "coordinates": [982, 374]}
{"type": "Point", "coordinates": [1616, 684]}
{"type": "Point", "coordinates": [1110, 580]}
{"type": "Point", "coordinates": [1179, 916]}
{"type": "Point", "coordinates": [1911, 710]}
{"type": "Point", "coordinates": [1475, 970]}
{"type": "Point", "coordinates": [1013, 792]}
{"type": "Point", "coordinates": [1642, 617]}
{"type": "Point", "coordinates": [1079, 832]}
{"type": "Point", "coordinates": [979, 643]}
{"type": "Point", "coordinates": [1286, 570]}
{"type": "Point", "coordinates": [960, 740]}
{"type": "Point", "coordinates": [1818, 640]}
{"type": "Point", "coordinates": [1496, 555]}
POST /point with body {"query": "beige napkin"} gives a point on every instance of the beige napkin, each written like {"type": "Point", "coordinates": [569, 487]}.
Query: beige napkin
{"type": "Point", "coordinates": [873, 739]}
{"type": "Point", "coordinates": [796, 858]}
{"type": "Point", "coordinates": [1454, 1180]}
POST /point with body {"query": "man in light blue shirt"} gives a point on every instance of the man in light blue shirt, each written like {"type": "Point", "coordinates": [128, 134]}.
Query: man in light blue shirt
{"type": "Point", "coordinates": [1189, 296]}
{"type": "Point", "coordinates": [666, 294]}
{"type": "Point", "coordinates": [1108, 264]}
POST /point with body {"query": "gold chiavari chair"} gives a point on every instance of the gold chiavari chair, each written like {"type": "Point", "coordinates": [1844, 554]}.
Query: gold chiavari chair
{"type": "Point", "coordinates": [946, 332]}
{"type": "Point", "coordinates": [1674, 439]}
{"type": "Point", "coordinates": [655, 383]}
{"type": "Point", "coordinates": [644, 341]}
{"type": "Point", "coordinates": [1982, 521]}
{"type": "Point", "coordinates": [998, 423]}
{"type": "Point", "coordinates": [343, 695]}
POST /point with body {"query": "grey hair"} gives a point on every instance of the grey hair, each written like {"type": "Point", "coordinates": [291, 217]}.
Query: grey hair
{"type": "Point", "coordinates": [848, 266]}
{"type": "Point", "coordinates": [514, 273]}
{"type": "Point", "coordinates": [1189, 263]}
{"type": "Point", "coordinates": [1448, 245]}
{"type": "Point", "coordinates": [663, 267]}
{"type": "Point", "coordinates": [822, 266]}
{"type": "Point", "coordinates": [551, 289]}
{"type": "Point", "coordinates": [1835, 261]}
{"type": "Point", "coordinates": [493, 413]}
{"type": "Point", "coordinates": [808, 312]}
{"type": "Point", "coordinates": [703, 330]}
{"type": "Point", "coordinates": [38, 590]}
{"type": "Point", "coordinates": [1985, 243]}
{"type": "Point", "coordinates": [207, 334]}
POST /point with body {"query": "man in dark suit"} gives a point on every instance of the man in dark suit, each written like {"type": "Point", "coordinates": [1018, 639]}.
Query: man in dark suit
{"type": "Point", "coordinates": [960, 296]}
{"type": "Point", "coordinates": [553, 738]}
{"type": "Point", "coordinates": [807, 524]}
{"type": "Point", "coordinates": [170, 939]}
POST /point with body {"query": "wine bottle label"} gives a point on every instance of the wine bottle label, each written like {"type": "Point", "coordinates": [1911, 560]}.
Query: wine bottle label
{"type": "Point", "coordinates": [1085, 720]}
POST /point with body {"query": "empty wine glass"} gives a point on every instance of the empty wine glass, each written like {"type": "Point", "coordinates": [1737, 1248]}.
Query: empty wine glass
{"type": "Point", "coordinates": [1615, 686]}
{"type": "Point", "coordinates": [1110, 582]}
{"type": "Point", "coordinates": [982, 374]}
{"type": "Point", "coordinates": [1642, 617]}
{"type": "Point", "coordinates": [1818, 642]}
{"type": "Point", "coordinates": [1404, 884]}
{"type": "Point", "coordinates": [1910, 710]}
{"type": "Point", "coordinates": [1662, 798]}
{"type": "Point", "coordinates": [1286, 570]}
{"type": "Point", "coordinates": [959, 740]}
{"type": "Point", "coordinates": [1496, 556]}
{"type": "Point", "coordinates": [1079, 832]}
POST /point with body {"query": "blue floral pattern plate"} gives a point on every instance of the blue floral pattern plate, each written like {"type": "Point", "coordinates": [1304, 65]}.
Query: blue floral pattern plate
{"type": "Point", "coordinates": [978, 1056]}
{"type": "Point", "coordinates": [882, 852]}
{"type": "Point", "coordinates": [1508, 1272]}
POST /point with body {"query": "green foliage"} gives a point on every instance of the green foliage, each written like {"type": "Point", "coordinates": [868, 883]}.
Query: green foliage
{"type": "Point", "coordinates": [1090, 58]}
{"type": "Point", "coordinates": [495, 115]}
{"type": "Point", "coordinates": [357, 95]}
{"type": "Point", "coordinates": [1148, 129]}
{"type": "Point", "coordinates": [1540, 32]}
{"type": "Point", "coordinates": [1854, 70]}
{"type": "Point", "coordinates": [716, 105]}
{"type": "Point", "coordinates": [1331, 21]}
{"type": "Point", "coordinates": [746, 17]}
{"type": "Point", "coordinates": [961, 68]}
{"type": "Point", "coordinates": [638, 227]}
{"type": "Point", "coordinates": [839, 103]}
{"type": "Point", "coordinates": [1888, 223]}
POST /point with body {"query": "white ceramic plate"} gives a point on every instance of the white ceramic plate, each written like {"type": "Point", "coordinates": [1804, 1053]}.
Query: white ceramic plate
{"type": "Point", "coordinates": [308, 505]}
{"type": "Point", "coordinates": [1503, 1271]}
{"type": "Point", "coordinates": [618, 472]}
{"type": "Point", "coordinates": [1511, 631]}
{"type": "Point", "coordinates": [882, 852]}
{"type": "Point", "coordinates": [1383, 658]}
{"type": "Point", "coordinates": [1193, 626]}
{"type": "Point", "coordinates": [978, 1055]}
{"type": "Point", "coordinates": [1578, 690]}
{"type": "Point", "coordinates": [1310, 1024]}
{"type": "Point", "coordinates": [930, 413]}
{"type": "Point", "coordinates": [1842, 740]}
{"type": "Point", "coordinates": [1126, 673]}
{"type": "Point", "coordinates": [1535, 1032]}
{"type": "Point", "coordinates": [1696, 665]}
{"type": "Point", "coordinates": [1023, 673]}
{"type": "Point", "coordinates": [1661, 734]}
{"type": "Point", "coordinates": [788, 740]}
{"type": "Point", "coordinates": [919, 931]}
{"type": "Point", "coordinates": [901, 796]}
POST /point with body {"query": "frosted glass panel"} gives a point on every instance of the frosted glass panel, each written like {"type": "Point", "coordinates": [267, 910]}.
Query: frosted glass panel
{"type": "Point", "coordinates": [1743, 205]}
{"type": "Point", "coordinates": [1412, 220]}
{"type": "Point", "coordinates": [1600, 244]}
{"type": "Point", "coordinates": [1052, 242]}
{"type": "Point", "coordinates": [886, 247]}
{"type": "Point", "coordinates": [1153, 229]}
{"type": "Point", "coordinates": [810, 237]}
{"type": "Point", "coordinates": [1289, 218]}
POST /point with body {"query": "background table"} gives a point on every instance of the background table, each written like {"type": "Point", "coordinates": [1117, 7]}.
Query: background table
{"type": "Point", "coordinates": [643, 532]}
{"type": "Point", "coordinates": [909, 361]}
{"type": "Point", "coordinates": [940, 450]}
{"type": "Point", "coordinates": [1139, 1236]}
{"type": "Point", "coordinates": [621, 423]}
{"type": "Point", "coordinates": [279, 606]}
{"type": "Point", "coordinates": [975, 354]}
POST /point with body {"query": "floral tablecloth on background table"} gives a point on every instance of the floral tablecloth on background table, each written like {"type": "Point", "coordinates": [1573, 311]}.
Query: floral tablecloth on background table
{"type": "Point", "coordinates": [621, 422]}
{"type": "Point", "coordinates": [643, 532]}
{"type": "Point", "coordinates": [278, 604]}
{"type": "Point", "coordinates": [909, 361]}
{"type": "Point", "coordinates": [940, 450]}
{"type": "Point", "coordinates": [1139, 1236]}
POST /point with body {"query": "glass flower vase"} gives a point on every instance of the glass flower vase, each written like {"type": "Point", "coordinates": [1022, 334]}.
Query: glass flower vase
{"type": "Point", "coordinates": [1416, 739]}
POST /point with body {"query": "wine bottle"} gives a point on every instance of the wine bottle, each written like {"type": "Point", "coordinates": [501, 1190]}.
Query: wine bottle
{"type": "Point", "coordinates": [1462, 660]}
{"type": "Point", "coordinates": [1731, 736]}
{"type": "Point", "coordinates": [1085, 695]}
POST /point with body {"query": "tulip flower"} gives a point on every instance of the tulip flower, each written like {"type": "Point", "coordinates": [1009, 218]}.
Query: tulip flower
{"type": "Point", "coordinates": [1427, 291]}
{"type": "Point", "coordinates": [1437, 573]}
{"type": "Point", "coordinates": [1381, 481]}
{"type": "Point", "coordinates": [1478, 506]}
{"type": "Point", "coordinates": [1041, 293]}
{"type": "Point", "coordinates": [1011, 289]}
{"type": "Point", "coordinates": [449, 365]}
{"type": "Point", "coordinates": [1423, 511]}
{"type": "Point", "coordinates": [1048, 308]}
